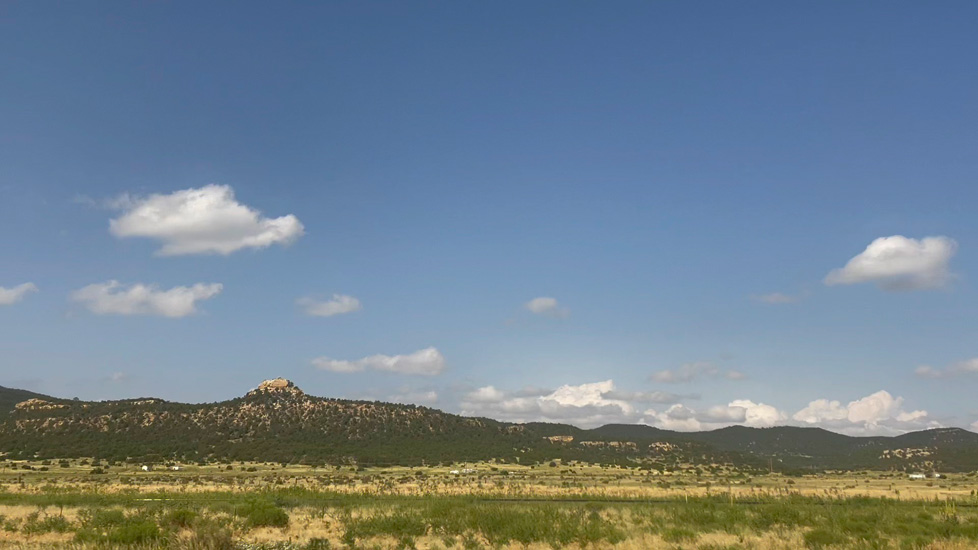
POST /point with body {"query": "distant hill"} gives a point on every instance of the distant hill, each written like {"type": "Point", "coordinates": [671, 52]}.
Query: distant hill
{"type": "Point", "coordinates": [278, 422]}
{"type": "Point", "coordinates": [9, 397]}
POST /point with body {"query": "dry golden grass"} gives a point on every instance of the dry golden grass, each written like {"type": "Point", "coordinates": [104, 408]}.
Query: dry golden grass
{"type": "Point", "coordinates": [489, 481]}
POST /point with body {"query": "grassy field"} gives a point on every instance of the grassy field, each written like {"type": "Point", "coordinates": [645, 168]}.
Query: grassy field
{"type": "Point", "coordinates": [81, 504]}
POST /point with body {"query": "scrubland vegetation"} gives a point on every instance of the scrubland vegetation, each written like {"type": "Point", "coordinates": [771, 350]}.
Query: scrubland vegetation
{"type": "Point", "coordinates": [75, 504]}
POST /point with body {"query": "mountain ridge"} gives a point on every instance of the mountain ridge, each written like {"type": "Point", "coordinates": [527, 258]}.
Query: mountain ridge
{"type": "Point", "coordinates": [278, 421]}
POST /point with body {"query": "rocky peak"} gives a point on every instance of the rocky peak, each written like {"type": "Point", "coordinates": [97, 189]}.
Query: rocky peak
{"type": "Point", "coordinates": [277, 386]}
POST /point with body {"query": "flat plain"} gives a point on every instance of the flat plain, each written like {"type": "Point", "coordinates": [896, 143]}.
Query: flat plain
{"type": "Point", "coordinates": [96, 504]}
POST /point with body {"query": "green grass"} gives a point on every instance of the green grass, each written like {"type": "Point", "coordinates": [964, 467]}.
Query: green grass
{"type": "Point", "coordinates": [215, 521]}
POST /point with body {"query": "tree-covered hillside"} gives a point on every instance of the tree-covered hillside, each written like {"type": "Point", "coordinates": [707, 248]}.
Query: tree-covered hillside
{"type": "Point", "coordinates": [278, 422]}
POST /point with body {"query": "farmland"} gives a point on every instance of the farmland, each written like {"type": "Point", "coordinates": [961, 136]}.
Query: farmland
{"type": "Point", "coordinates": [82, 503]}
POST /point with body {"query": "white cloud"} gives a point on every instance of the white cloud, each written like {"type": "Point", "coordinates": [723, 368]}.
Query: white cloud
{"type": "Point", "coordinates": [912, 416]}
{"type": "Point", "coordinates": [692, 371]}
{"type": "Point", "coordinates": [337, 365]}
{"type": "Point", "coordinates": [585, 395]}
{"type": "Point", "coordinates": [547, 306]}
{"type": "Point", "coordinates": [822, 410]}
{"type": "Point", "coordinates": [599, 403]}
{"type": "Point", "coordinates": [414, 397]}
{"type": "Point", "coordinates": [486, 394]}
{"type": "Point", "coordinates": [115, 298]}
{"type": "Point", "coordinates": [425, 362]}
{"type": "Point", "coordinates": [659, 397]}
{"type": "Point", "coordinates": [582, 405]}
{"type": "Point", "coordinates": [873, 408]}
{"type": "Point", "coordinates": [927, 371]}
{"type": "Point", "coordinates": [776, 298]}
{"type": "Point", "coordinates": [721, 414]}
{"type": "Point", "coordinates": [739, 411]}
{"type": "Point", "coordinates": [207, 220]}
{"type": "Point", "coordinates": [758, 415]}
{"type": "Point", "coordinates": [587, 405]}
{"type": "Point", "coordinates": [969, 366]}
{"type": "Point", "coordinates": [876, 414]}
{"type": "Point", "coordinates": [13, 295]}
{"type": "Point", "coordinates": [677, 417]}
{"type": "Point", "coordinates": [338, 305]}
{"type": "Point", "coordinates": [898, 263]}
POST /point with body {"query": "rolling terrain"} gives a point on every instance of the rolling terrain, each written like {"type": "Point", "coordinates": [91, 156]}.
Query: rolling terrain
{"type": "Point", "coordinates": [279, 422]}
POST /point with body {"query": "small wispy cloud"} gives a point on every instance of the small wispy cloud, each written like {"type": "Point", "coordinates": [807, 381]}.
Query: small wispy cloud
{"type": "Point", "coordinates": [966, 367]}
{"type": "Point", "coordinates": [546, 306]}
{"type": "Point", "coordinates": [776, 298]}
{"type": "Point", "coordinates": [337, 305]}
{"type": "Point", "coordinates": [425, 362]}
{"type": "Point", "coordinates": [691, 371]}
{"type": "Point", "coordinates": [15, 294]}
{"type": "Point", "coordinates": [115, 298]}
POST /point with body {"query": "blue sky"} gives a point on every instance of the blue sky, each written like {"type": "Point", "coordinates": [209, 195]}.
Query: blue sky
{"type": "Point", "coordinates": [659, 170]}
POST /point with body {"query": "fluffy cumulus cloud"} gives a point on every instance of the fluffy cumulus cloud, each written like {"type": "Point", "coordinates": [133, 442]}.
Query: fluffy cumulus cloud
{"type": "Point", "coordinates": [758, 415]}
{"type": "Point", "coordinates": [598, 403]}
{"type": "Point", "coordinates": [425, 362]}
{"type": "Point", "coordinates": [15, 294]}
{"type": "Point", "coordinates": [337, 305]}
{"type": "Point", "coordinates": [546, 306]}
{"type": "Point", "coordinates": [115, 298]}
{"type": "Point", "coordinates": [969, 366]}
{"type": "Point", "coordinates": [876, 414]}
{"type": "Point", "coordinates": [207, 220]}
{"type": "Point", "coordinates": [585, 405]}
{"type": "Point", "coordinates": [740, 411]}
{"type": "Point", "coordinates": [899, 263]}
{"type": "Point", "coordinates": [692, 371]}
{"type": "Point", "coordinates": [678, 417]}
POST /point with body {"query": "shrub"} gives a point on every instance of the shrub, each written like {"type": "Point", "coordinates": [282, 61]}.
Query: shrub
{"type": "Point", "coordinates": [102, 526]}
{"type": "Point", "coordinates": [135, 531]}
{"type": "Point", "coordinates": [258, 513]}
{"type": "Point", "coordinates": [180, 518]}
{"type": "Point", "coordinates": [207, 535]}
{"type": "Point", "coordinates": [36, 526]}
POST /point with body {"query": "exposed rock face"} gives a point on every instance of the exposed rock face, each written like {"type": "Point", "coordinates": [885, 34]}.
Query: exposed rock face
{"type": "Point", "coordinates": [38, 405]}
{"type": "Point", "coordinates": [278, 386]}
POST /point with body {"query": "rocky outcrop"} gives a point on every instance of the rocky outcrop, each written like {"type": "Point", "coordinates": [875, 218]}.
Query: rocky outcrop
{"type": "Point", "coordinates": [276, 386]}
{"type": "Point", "coordinates": [38, 405]}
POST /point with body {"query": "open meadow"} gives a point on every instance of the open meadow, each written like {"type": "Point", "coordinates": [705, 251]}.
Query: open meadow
{"type": "Point", "coordinates": [81, 504]}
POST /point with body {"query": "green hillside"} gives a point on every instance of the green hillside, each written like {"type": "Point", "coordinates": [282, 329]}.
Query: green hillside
{"type": "Point", "coordinates": [278, 422]}
{"type": "Point", "coordinates": [9, 397]}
